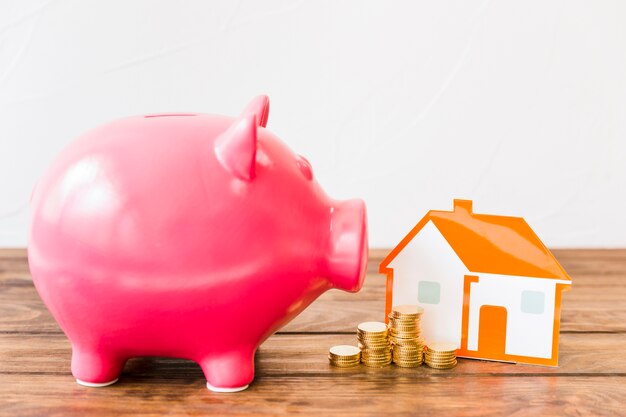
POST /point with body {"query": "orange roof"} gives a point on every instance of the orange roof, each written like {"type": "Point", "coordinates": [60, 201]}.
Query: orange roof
{"type": "Point", "coordinates": [489, 244]}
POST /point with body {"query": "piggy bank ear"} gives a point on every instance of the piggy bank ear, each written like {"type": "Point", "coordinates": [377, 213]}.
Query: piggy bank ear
{"type": "Point", "coordinates": [260, 107]}
{"type": "Point", "coordinates": [236, 147]}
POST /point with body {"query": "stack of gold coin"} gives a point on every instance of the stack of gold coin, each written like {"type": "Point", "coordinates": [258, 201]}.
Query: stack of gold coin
{"type": "Point", "coordinates": [405, 335]}
{"type": "Point", "coordinates": [344, 356]}
{"type": "Point", "coordinates": [440, 355]}
{"type": "Point", "coordinates": [374, 344]}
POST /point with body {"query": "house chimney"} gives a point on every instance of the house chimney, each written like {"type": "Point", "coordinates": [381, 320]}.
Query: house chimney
{"type": "Point", "coordinates": [463, 205]}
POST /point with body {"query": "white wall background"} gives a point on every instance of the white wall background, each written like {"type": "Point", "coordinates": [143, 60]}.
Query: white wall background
{"type": "Point", "coordinates": [519, 105]}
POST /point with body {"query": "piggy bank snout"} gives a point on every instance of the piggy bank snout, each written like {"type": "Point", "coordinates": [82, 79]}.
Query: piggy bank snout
{"type": "Point", "coordinates": [347, 255]}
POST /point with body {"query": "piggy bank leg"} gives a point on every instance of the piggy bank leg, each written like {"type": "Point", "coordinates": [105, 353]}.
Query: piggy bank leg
{"type": "Point", "coordinates": [95, 368]}
{"type": "Point", "coordinates": [229, 372]}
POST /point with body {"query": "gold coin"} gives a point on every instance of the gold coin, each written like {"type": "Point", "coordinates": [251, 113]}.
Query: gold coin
{"type": "Point", "coordinates": [395, 321]}
{"type": "Point", "coordinates": [446, 366]}
{"type": "Point", "coordinates": [407, 355]}
{"type": "Point", "coordinates": [404, 337]}
{"type": "Point", "coordinates": [407, 348]}
{"type": "Point", "coordinates": [411, 333]}
{"type": "Point", "coordinates": [440, 363]}
{"type": "Point", "coordinates": [342, 361]}
{"type": "Point", "coordinates": [413, 346]}
{"type": "Point", "coordinates": [441, 347]}
{"type": "Point", "coordinates": [406, 342]}
{"type": "Point", "coordinates": [377, 362]}
{"type": "Point", "coordinates": [379, 349]}
{"type": "Point", "coordinates": [377, 365]}
{"type": "Point", "coordinates": [408, 360]}
{"type": "Point", "coordinates": [431, 359]}
{"type": "Point", "coordinates": [374, 346]}
{"type": "Point", "coordinates": [439, 357]}
{"type": "Point", "coordinates": [372, 327]}
{"type": "Point", "coordinates": [380, 333]}
{"type": "Point", "coordinates": [408, 364]}
{"type": "Point", "coordinates": [381, 352]}
{"type": "Point", "coordinates": [377, 345]}
{"type": "Point", "coordinates": [345, 365]}
{"type": "Point", "coordinates": [372, 335]}
{"type": "Point", "coordinates": [439, 360]}
{"type": "Point", "coordinates": [372, 340]}
{"type": "Point", "coordinates": [345, 358]}
{"type": "Point", "coordinates": [335, 359]}
{"type": "Point", "coordinates": [404, 321]}
{"type": "Point", "coordinates": [344, 355]}
{"type": "Point", "coordinates": [385, 351]}
{"type": "Point", "coordinates": [407, 352]}
{"type": "Point", "coordinates": [381, 345]}
{"type": "Point", "coordinates": [404, 317]}
{"type": "Point", "coordinates": [404, 330]}
{"type": "Point", "coordinates": [407, 310]}
{"type": "Point", "coordinates": [375, 357]}
{"type": "Point", "coordinates": [344, 350]}
{"type": "Point", "coordinates": [439, 352]}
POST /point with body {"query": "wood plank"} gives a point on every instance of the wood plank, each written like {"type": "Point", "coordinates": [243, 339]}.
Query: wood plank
{"type": "Point", "coordinates": [362, 395]}
{"type": "Point", "coordinates": [294, 377]}
{"type": "Point", "coordinates": [584, 308]}
{"type": "Point", "coordinates": [292, 355]}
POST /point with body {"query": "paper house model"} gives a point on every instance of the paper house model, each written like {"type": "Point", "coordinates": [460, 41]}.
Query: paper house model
{"type": "Point", "coordinates": [486, 283]}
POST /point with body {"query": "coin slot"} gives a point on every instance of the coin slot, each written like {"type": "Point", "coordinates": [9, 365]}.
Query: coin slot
{"type": "Point", "coordinates": [169, 115]}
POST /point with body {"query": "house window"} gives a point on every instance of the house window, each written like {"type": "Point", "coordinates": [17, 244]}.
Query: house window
{"type": "Point", "coordinates": [428, 292]}
{"type": "Point", "coordinates": [533, 302]}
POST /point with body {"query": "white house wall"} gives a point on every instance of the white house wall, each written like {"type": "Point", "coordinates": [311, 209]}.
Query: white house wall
{"type": "Point", "coordinates": [526, 334]}
{"type": "Point", "coordinates": [429, 257]}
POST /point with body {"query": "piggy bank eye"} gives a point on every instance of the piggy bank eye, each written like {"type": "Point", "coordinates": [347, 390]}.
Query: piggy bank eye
{"type": "Point", "coordinates": [305, 167]}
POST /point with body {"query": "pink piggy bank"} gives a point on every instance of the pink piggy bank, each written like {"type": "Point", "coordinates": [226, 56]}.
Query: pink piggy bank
{"type": "Point", "coordinates": [186, 235]}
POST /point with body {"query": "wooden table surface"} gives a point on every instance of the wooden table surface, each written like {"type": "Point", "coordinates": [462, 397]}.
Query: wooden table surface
{"type": "Point", "coordinates": [293, 375]}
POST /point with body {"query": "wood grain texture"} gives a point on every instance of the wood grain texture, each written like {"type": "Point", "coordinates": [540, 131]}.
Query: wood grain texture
{"type": "Point", "coordinates": [294, 377]}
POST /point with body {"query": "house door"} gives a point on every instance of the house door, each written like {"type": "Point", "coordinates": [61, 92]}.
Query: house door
{"type": "Point", "coordinates": [492, 332]}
